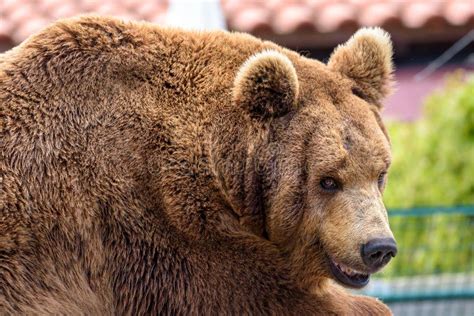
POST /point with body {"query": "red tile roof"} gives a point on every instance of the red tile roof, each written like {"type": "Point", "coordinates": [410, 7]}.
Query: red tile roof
{"type": "Point", "coordinates": [21, 18]}
{"type": "Point", "coordinates": [326, 22]}
{"type": "Point", "coordinates": [286, 16]}
{"type": "Point", "coordinates": [303, 23]}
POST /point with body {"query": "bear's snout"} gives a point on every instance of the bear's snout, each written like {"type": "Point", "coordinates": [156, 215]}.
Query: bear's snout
{"type": "Point", "coordinates": [378, 252]}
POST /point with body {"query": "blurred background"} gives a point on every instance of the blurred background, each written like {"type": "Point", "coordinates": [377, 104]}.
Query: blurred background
{"type": "Point", "coordinates": [430, 193]}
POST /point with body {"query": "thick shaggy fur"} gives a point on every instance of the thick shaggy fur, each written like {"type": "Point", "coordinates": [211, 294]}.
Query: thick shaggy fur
{"type": "Point", "coordinates": [146, 170]}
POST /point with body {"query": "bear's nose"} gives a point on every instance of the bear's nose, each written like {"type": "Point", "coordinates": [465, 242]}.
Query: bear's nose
{"type": "Point", "coordinates": [378, 252]}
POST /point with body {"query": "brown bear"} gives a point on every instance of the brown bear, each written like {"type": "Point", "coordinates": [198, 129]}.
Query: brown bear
{"type": "Point", "coordinates": [150, 170]}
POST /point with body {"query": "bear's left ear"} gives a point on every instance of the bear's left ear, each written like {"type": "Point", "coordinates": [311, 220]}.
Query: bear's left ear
{"type": "Point", "coordinates": [366, 58]}
{"type": "Point", "coordinates": [266, 85]}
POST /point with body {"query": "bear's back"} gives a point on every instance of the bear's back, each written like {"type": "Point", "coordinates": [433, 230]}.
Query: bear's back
{"type": "Point", "coordinates": [81, 99]}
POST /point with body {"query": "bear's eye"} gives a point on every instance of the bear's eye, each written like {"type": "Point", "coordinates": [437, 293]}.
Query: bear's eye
{"type": "Point", "coordinates": [329, 184]}
{"type": "Point", "coordinates": [381, 179]}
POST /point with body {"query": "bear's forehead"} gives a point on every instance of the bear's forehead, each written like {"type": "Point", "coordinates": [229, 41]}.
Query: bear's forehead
{"type": "Point", "coordinates": [318, 81]}
{"type": "Point", "coordinates": [343, 126]}
{"type": "Point", "coordinates": [346, 139]}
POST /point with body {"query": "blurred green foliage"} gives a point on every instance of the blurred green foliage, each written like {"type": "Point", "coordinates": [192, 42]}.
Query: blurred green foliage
{"type": "Point", "coordinates": [433, 165]}
{"type": "Point", "coordinates": [433, 158]}
{"type": "Point", "coordinates": [432, 244]}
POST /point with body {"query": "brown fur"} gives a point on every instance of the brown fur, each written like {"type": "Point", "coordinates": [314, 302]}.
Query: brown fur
{"type": "Point", "coordinates": [146, 170]}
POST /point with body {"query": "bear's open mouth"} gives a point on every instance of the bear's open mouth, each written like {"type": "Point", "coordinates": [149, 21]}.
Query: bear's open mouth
{"type": "Point", "coordinates": [348, 276]}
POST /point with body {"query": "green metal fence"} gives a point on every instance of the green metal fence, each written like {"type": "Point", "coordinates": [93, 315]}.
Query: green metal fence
{"type": "Point", "coordinates": [433, 272]}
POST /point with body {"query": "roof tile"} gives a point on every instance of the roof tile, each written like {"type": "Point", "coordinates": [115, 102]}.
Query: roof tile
{"type": "Point", "coordinates": [379, 14]}
{"type": "Point", "coordinates": [29, 27]}
{"type": "Point", "coordinates": [333, 17]}
{"type": "Point", "coordinates": [459, 12]}
{"type": "Point", "coordinates": [62, 10]}
{"type": "Point", "coordinates": [294, 17]}
{"type": "Point", "coordinates": [417, 13]}
{"type": "Point", "coordinates": [252, 19]}
{"type": "Point", "coordinates": [278, 17]}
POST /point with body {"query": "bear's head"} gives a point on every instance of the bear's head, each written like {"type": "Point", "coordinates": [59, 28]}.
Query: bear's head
{"type": "Point", "coordinates": [321, 155]}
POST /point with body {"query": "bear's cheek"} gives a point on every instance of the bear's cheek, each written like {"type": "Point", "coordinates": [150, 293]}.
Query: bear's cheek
{"type": "Point", "coordinates": [337, 227]}
{"type": "Point", "coordinates": [349, 222]}
{"type": "Point", "coordinates": [340, 238]}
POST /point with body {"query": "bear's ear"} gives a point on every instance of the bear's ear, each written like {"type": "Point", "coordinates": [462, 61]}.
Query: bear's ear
{"type": "Point", "coordinates": [366, 58]}
{"type": "Point", "coordinates": [266, 85]}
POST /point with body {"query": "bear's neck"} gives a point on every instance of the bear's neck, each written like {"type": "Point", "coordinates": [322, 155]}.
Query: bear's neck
{"type": "Point", "coordinates": [240, 172]}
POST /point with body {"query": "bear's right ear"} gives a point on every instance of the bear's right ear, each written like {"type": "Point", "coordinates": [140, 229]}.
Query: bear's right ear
{"type": "Point", "coordinates": [266, 85]}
